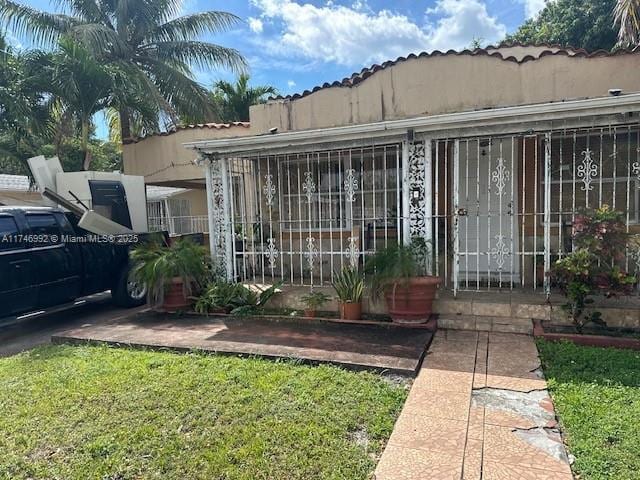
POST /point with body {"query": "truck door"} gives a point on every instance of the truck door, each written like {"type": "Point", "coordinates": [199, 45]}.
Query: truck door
{"type": "Point", "coordinates": [17, 279]}
{"type": "Point", "coordinates": [58, 264]}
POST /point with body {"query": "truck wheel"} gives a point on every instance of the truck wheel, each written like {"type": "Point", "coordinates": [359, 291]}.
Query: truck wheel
{"type": "Point", "coordinates": [128, 293]}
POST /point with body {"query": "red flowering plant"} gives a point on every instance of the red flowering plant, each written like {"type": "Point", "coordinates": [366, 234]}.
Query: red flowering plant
{"type": "Point", "coordinates": [600, 238]}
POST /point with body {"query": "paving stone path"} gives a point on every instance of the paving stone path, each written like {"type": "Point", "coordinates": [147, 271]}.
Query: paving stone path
{"type": "Point", "coordinates": [478, 410]}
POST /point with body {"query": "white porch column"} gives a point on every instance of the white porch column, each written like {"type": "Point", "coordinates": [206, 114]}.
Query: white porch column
{"type": "Point", "coordinates": [416, 194]}
{"type": "Point", "coordinates": [208, 175]}
{"type": "Point", "coordinates": [218, 214]}
{"type": "Point", "coordinates": [456, 215]}
{"type": "Point", "coordinates": [226, 217]}
{"type": "Point", "coordinates": [406, 194]}
{"type": "Point", "coordinates": [547, 212]}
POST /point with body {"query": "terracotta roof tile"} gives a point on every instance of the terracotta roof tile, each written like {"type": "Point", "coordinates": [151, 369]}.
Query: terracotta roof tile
{"type": "Point", "coordinates": [216, 126]}
{"type": "Point", "coordinates": [491, 51]}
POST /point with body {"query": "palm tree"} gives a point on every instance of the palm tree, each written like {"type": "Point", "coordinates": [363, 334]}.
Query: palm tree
{"type": "Point", "coordinates": [23, 115]}
{"type": "Point", "coordinates": [79, 85]}
{"type": "Point", "coordinates": [627, 14]}
{"type": "Point", "coordinates": [231, 102]}
{"type": "Point", "coordinates": [152, 48]}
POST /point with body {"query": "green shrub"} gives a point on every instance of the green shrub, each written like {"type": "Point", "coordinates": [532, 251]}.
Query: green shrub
{"type": "Point", "coordinates": [234, 298]}
{"type": "Point", "coordinates": [349, 285]}
{"type": "Point", "coordinates": [314, 300]}
{"type": "Point", "coordinates": [156, 265]}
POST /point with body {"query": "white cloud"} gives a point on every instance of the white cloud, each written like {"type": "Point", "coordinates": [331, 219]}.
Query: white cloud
{"type": "Point", "coordinates": [291, 83]}
{"type": "Point", "coordinates": [356, 35]}
{"type": "Point", "coordinates": [255, 24]}
{"type": "Point", "coordinates": [533, 7]}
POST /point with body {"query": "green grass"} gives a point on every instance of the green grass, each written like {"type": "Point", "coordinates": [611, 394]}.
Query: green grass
{"type": "Point", "coordinates": [115, 414]}
{"type": "Point", "coordinates": [596, 392]}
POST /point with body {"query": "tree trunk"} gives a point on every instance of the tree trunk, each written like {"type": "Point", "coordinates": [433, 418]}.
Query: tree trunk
{"type": "Point", "coordinates": [125, 125]}
{"type": "Point", "coordinates": [86, 163]}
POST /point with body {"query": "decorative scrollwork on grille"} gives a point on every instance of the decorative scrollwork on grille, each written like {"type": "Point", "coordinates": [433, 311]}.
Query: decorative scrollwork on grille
{"type": "Point", "coordinates": [500, 176]}
{"type": "Point", "coordinates": [417, 176]}
{"type": "Point", "coordinates": [353, 251]}
{"type": "Point", "coordinates": [269, 189]}
{"type": "Point", "coordinates": [350, 184]}
{"type": "Point", "coordinates": [309, 186]}
{"type": "Point", "coordinates": [272, 252]}
{"type": "Point", "coordinates": [587, 170]}
{"type": "Point", "coordinates": [220, 222]}
{"type": "Point", "coordinates": [311, 253]}
{"type": "Point", "coordinates": [500, 252]}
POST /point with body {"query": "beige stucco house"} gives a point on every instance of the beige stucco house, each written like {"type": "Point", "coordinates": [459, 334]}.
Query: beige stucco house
{"type": "Point", "coordinates": [487, 154]}
{"type": "Point", "coordinates": [176, 197]}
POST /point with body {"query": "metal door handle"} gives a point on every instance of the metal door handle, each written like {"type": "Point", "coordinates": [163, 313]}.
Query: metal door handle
{"type": "Point", "coordinates": [461, 212]}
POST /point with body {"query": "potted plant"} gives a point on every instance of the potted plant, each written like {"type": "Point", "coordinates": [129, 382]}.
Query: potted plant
{"type": "Point", "coordinates": [399, 273]}
{"type": "Point", "coordinates": [313, 301]}
{"type": "Point", "coordinates": [349, 287]}
{"type": "Point", "coordinates": [171, 273]}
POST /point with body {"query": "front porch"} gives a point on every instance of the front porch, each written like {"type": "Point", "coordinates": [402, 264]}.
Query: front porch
{"type": "Point", "coordinates": [490, 311]}
{"type": "Point", "coordinates": [494, 193]}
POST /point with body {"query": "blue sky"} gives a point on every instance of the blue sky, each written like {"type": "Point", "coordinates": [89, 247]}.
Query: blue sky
{"type": "Point", "coordinates": [297, 44]}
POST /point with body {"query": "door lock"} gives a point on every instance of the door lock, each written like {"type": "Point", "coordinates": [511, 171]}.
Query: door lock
{"type": "Point", "coordinates": [461, 212]}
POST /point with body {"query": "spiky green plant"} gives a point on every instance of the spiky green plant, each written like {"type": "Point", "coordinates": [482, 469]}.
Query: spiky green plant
{"type": "Point", "coordinates": [314, 300]}
{"type": "Point", "coordinates": [396, 264]}
{"type": "Point", "coordinates": [349, 285]}
{"type": "Point", "coordinates": [221, 295]}
{"type": "Point", "coordinates": [156, 265]}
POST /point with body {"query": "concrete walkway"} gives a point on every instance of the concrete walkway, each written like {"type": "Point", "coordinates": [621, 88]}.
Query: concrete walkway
{"type": "Point", "coordinates": [479, 409]}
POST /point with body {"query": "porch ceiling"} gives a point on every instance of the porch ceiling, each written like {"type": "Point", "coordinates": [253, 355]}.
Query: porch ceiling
{"type": "Point", "coordinates": [533, 118]}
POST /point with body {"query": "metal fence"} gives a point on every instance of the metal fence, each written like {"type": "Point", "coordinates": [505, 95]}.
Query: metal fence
{"type": "Point", "coordinates": [495, 209]}
{"type": "Point", "coordinates": [300, 218]}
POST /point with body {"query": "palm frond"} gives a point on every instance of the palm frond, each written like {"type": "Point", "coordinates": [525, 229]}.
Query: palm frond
{"type": "Point", "coordinates": [101, 40]}
{"type": "Point", "coordinates": [192, 26]}
{"type": "Point", "coordinates": [185, 94]}
{"type": "Point", "coordinates": [42, 27]}
{"type": "Point", "coordinates": [199, 54]}
{"type": "Point", "coordinates": [626, 14]}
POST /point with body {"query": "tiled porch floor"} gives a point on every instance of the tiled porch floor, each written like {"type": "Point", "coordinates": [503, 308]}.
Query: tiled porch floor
{"type": "Point", "coordinates": [478, 409]}
{"type": "Point", "coordinates": [383, 347]}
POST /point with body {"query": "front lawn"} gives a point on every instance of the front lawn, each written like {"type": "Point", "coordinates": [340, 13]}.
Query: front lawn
{"type": "Point", "coordinates": [115, 414]}
{"type": "Point", "coordinates": [596, 392]}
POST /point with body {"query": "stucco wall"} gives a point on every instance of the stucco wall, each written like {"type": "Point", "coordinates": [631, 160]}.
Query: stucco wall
{"type": "Point", "coordinates": [153, 156]}
{"type": "Point", "coordinates": [197, 199]}
{"type": "Point", "coordinates": [452, 83]}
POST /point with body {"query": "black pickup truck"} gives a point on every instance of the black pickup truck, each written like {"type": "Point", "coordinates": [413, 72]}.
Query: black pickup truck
{"type": "Point", "coordinates": [47, 260]}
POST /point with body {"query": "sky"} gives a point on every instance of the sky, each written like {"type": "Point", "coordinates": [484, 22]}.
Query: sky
{"type": "Point", "coordinates": [298, 44]}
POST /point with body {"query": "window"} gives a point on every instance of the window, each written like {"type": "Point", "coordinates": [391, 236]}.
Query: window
{"type": "Point", "coordinates": [45, 227]}
{"type": "Point", "coordinates": [8, 229]}
{"type": "Point", "coordinates": [610, 177]}
{"type": "Point", "coordinates": [339, 190]}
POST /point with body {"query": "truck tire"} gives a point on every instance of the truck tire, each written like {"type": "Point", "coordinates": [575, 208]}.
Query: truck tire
{"type": "Point", "coordinates": [127, 293]}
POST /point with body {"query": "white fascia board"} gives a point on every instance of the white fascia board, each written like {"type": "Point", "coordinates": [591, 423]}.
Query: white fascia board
{"type": "Point", "coordinates": [547, 112]}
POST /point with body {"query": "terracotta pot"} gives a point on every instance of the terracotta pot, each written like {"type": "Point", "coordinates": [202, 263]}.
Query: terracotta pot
{"type": "Point", "coordinates": [412, 302]}
{"type": "Point", "coordinates": [310, 313]}
{"type": "Point", "coordinates": [174, 298]}
{"type": "Point", "coordinates": [351, 311]}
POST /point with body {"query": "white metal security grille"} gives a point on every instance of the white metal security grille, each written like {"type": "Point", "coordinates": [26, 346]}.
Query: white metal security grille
{"type": "Point", "coordinates": [301, 217]}
{"type": "Point", "coordinates": [515, 198]}
{"type": "Point", "coordinates": [496, 208]}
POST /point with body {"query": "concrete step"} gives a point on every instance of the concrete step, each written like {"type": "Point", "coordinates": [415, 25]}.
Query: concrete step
{"type": "Point", "coordinates": [486, 323]}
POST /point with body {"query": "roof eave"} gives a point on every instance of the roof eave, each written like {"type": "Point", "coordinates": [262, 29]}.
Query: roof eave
{"type": "Point", "coordinates": [547, 112]}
